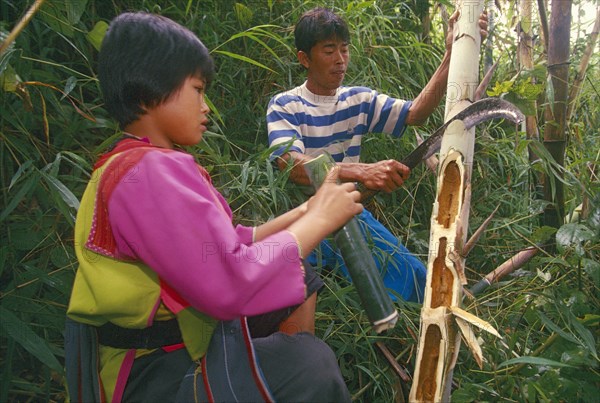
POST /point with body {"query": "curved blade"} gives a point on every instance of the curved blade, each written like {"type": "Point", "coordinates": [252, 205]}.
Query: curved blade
{"type": "Point", "coordinates": [474, 114]}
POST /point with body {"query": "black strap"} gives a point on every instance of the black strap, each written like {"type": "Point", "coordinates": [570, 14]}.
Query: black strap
{"type": "Point", "coordinates": [160, 334]}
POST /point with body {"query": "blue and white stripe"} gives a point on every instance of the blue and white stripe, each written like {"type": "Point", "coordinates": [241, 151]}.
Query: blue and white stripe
{"type": "Point", "coordinates": [298, 120]}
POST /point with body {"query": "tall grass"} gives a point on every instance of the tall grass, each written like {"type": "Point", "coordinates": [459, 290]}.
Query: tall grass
{"type": "Point", "coordinates": [53, 126]}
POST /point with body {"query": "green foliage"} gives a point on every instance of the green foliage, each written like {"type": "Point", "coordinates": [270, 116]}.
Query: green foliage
{"type": "Point", "coordinates": [53, 126]}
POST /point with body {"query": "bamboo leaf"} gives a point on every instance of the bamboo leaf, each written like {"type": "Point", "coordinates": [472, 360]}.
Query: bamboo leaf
{"type": "Point", "coordinates": [244, 14]}
{"type": "Point", "coordinates": [214, 109]}
{"type": "Point", "coordinates": [534, 361]}
{"type": "Point", "coordinates": [244, 175]}
{"type": "Point", "coordinates": [471, 340]}
{"type": "Point", "coordinates": [22, 168]}
{"type": "Point", "coordinates": [28, 339]}
{"type": "Point", "coordinates": [67, 196]}
{"type": "Point", "coordinates": [474, 320]}
{"type": "Point", "coordinates": [556, 329]}
{"type": "Point", "coordinates": [573, 236]}
{"type": "Point", "coordinates": [244, 59]}
{"type": "Point", "coordinates": [575, 325]}
{"type": "Point", "coordinates": [96, 35]}
{"type": "Point", "coordinates": [5, 58]}
{"type": "Point", "coordinates": [70, 84]}
{"type": "Point", "coordinates": [23, 191]}
{"type": "Point", "coordinates": [587, 336]}
{"type": "Point", "coordinates": [9, 79]}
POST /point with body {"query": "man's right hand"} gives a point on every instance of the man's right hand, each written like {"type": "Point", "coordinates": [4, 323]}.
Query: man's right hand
{"type": "Point", "coordinates": [386, 176]}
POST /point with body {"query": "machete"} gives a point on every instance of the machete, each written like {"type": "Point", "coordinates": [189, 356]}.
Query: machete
{"type": "Point", "coordinates": [474, 114]}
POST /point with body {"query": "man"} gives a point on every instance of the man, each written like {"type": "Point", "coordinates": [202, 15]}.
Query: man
{"type": "Point", "coordinates": [323, 116]}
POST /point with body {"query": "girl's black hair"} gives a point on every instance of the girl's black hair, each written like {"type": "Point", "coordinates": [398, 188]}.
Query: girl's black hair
{"type": "Point", "coordinates": [319, 24]}
{"type": "Point", "coordinates": [144, 59]}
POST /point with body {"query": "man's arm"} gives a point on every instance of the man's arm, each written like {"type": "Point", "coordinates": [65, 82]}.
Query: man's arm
{"type": "Point", "coordinates": [385, 175]}
{"type": "Point", "coordinates": [431, 95]}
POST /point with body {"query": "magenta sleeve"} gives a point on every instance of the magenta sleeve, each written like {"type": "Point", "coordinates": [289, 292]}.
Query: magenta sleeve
{"type": "Point", "coordinates": [171, 218]}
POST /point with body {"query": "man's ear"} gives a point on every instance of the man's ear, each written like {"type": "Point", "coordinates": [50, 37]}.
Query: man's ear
{"type": "Point", "coordinates": [303, 58]}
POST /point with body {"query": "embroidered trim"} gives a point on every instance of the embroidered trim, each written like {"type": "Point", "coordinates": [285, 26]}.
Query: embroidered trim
{"type": "Point", "coordinates": [101, 239]}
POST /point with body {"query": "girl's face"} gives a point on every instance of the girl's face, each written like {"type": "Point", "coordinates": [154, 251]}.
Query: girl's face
{"type": "Point", "coordinates": [182, 118]}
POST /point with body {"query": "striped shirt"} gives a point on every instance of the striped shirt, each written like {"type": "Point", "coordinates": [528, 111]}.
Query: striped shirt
{"type": "Point", "coordinates": [298, 120]}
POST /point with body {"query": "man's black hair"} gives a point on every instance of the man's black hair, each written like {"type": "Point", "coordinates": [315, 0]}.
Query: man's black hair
{"type": "Point", "coordinates": [144, 59]}
{"type": "Point", "coordinates": [317, 25]}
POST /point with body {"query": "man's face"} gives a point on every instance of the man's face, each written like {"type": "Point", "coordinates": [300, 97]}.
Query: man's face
{"type": "Point", "coordinates": [326, 65]}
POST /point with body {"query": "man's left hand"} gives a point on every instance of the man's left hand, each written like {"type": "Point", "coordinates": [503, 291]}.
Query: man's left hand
{"type": "Point", "coordinates": [483, 28]}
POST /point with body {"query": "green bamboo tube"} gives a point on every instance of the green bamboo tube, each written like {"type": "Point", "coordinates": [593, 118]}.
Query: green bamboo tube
{"type": "Point", "coordinates": [358, 258]}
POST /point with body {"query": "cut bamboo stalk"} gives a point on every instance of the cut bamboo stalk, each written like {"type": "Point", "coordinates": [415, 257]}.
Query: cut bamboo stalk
{"type": "Point", "coordinates": [505, 268]}
{"type": "Point", "coordinates": [358, 258]}
{"type": "Point", "coordinates": [439, 338]}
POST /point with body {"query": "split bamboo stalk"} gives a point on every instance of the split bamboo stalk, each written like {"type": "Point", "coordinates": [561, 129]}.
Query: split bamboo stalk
{"type": "Point", "coordinates": [439, 338]}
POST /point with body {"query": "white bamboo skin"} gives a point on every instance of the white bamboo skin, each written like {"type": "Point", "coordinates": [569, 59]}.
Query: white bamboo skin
{"type": "Point", "coordinates": [439, 337]}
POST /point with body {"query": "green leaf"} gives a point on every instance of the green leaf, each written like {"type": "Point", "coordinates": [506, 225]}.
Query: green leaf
{"type": "Point", "coordinates": [24, 190]}
{"type": "Point", "coordinates": [244, 59]}
{"type": "Point", "coordinates": [573, 236]}
{"type": "Point", "coordinates": [28, 339]}
{"type": "Point", "coordinates": [534, 361]}
{"type": "Point", "coordinates": [22, 168]}
{"type": "Point", "coordinates": [592, 268]}
{"type": "Point", "coordinates": [64, 192]}
{"type": "Point", "coordinates": [69, 85]}
{"type": "Point", "coordinates": [74, 10]}
{"type": "Point", "coordinates": [542, 234]}
{"type": "Point", "coordinates": [243, 13]}
{"type": "Point", "coordinates": [244, 183]}
{"type": "Point", "coordinates": [555, 328]}
{"type": "Point", "coordinates": [594, 218]}
{"type": "Point", "coordinates": [5, 58]}
{"type": "Point", "coordinates": [96, 35]}
{"type": "Point", "coordinates": [500, 88]}
{"type": "Point", "coordinates": [9, 79]}
{"type": "Point", "coordinates": [586, 336]}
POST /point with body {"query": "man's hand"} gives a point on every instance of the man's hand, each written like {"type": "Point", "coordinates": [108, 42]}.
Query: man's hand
{"type": "Point", "coordinates": [483, 26]}
{"type": "Point", "coordinates": [385, 175]}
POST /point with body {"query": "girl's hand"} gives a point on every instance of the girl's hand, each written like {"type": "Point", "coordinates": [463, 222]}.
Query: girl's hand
{"type": "Point", "coordinates": [334, 204]}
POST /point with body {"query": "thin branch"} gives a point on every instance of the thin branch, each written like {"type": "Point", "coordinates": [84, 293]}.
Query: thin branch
{"type": "Point", "coordinates": [544, 23]}
{"type": "Point", "coordinates": [583, 64]}
{"type": "Point", "coordinates": [20, 26]}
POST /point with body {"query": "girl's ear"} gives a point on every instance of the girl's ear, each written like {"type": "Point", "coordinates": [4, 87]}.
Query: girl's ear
{"type": "Point", "coordinates": [303, 58]}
